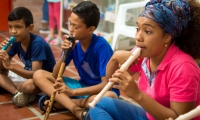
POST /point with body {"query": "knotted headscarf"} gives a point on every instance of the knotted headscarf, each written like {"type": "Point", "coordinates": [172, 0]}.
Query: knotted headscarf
{"type": "Point", "coordinates": [171, 15]}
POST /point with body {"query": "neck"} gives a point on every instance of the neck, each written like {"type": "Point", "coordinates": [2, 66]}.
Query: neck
{"type": "Point", "coordinates": [155, 61]}
{"type": "Point", "coordinates": [85, 43]}
{"type": "Point", "coordinates": [25, 42]}
{"type": "Point", "coordinates": [154, 64]}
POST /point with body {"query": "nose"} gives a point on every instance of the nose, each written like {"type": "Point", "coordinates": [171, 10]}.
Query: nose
{"type": "Point", "coordinates": [71, 29]}
{"type": "Point", "coordinates": [13, 30]}
{"type": "Point", "coordinates": [138, 36]}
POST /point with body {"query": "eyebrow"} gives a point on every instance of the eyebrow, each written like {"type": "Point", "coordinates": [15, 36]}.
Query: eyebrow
{"type": "Point", "coordinates": [146, 24]}
{"type": "Point", "coordinates": [73, 23]}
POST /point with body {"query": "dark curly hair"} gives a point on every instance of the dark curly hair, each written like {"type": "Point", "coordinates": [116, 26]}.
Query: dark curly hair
{"type": "Point", "coordinates": [189, 40]}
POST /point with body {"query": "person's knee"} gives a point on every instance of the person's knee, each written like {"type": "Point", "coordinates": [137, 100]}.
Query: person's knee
{"type": "Point", "coordinates": [41, 76]}
{"type": "Point", "coordinates": [38, 75]}
{"type": "Point", "coordinates": [111, 94]}
{"type": "Point", "coordinates": [27, 87]}
{"type": "Point", "coordinates": [104, 101]}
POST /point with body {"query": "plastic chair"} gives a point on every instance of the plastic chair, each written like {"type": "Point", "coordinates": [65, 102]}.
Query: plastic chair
{"type": "Point", "coordinates": [120, 27]}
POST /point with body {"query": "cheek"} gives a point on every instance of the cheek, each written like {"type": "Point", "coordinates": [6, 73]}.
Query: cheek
{"type": "Point", "coordinates": [9, 30]}
{"type": "Point", "coordinates": [80, 33]}
{"type": "Point", "coordinates": [156, 49]}
{"type": "Point", "coordinates": [153, 46]}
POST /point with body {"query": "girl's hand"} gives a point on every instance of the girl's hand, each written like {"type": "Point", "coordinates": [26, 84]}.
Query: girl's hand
{"type": "Point", "coordinates": [125, 83]}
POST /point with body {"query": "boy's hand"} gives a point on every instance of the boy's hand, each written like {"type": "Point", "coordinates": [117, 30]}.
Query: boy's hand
{"type": "Point", "coordinates": [4, 43]}
{"type": "Point", "coordinates": [61, 87]}
{"type": "Point", "coordinates": [66, 43]}
{"type": "Point", "coordinates": [5, 60]}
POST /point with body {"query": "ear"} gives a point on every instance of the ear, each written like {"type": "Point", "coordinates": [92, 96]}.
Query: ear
{"type": "Point", "coordinates": [91, 29]}
{"type": "Point", "coordinates": [30, 27]}
{"type": "Point", "coordinates": [168, 38]}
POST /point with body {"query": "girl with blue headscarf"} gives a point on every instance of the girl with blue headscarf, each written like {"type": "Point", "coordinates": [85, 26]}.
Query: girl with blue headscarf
{"type": "Point", "coordinates": [169, 82]}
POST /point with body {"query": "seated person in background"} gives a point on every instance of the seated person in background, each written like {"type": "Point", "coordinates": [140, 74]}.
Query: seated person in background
{"type": "Point", "coordinates": [31, 49]}
{"type": "Point", "coordinates": [169, 83]}
{"type": "Point", "coordinates": [90, 56]}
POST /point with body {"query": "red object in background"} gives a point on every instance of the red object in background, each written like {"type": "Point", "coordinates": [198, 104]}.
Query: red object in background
{"type": "Point", "coordinates": [66, 15]}
{"type": "Point", "coordinates": [5, 8]}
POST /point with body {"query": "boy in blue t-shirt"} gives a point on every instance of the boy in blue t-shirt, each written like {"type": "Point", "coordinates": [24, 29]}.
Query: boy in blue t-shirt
{"type": "Point", "coordinates": [31, 49]}
{"type": "Point", "coordinates": [90, 56]}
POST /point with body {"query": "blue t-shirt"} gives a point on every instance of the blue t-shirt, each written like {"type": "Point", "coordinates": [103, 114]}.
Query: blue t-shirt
{"type": "Point", "coordinates": [91, 64]}
{"type": "Point", "coordinates": [38, 50]}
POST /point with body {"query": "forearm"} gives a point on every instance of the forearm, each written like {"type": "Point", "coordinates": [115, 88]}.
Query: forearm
{"type": "Point", "coordinates": [119, 57]}
{"type": "Point", "coordinates": [57, 67]}
{"type": "Point", "coordinates": [92, 90]}
{"type": "Point", "coordinates": [3, 71]}
{"type": "Point", "coordinates": [23, 73]}
{"type": "Point", "coordinates": [155, 109]}
{"type": "Point", "coordinates": [1, 66]}
{"type": "Point", "coordinates": [111, 67]}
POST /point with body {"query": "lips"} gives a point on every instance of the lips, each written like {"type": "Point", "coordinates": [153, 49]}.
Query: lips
{"type": "Point", "coordinates": [142, 47]}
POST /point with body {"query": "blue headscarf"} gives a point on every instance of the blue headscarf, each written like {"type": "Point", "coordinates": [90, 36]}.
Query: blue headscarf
{"type": "Point", "coordinates": [171, 15]}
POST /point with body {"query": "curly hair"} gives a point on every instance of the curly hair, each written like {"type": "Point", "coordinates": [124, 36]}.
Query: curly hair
{"type": "Point", "coordinates": [189, 40]}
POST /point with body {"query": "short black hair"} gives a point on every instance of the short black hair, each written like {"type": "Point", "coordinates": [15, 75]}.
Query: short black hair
{"type": "Point", "coordinates": [89, 12]}
{"type": "Point", "coordinates": [21, 13]}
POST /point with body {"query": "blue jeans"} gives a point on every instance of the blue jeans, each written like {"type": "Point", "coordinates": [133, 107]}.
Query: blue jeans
{"type": "Point", "coordinates": [114, 109]}
{"type": "Point", "coordinates": [45, 12]}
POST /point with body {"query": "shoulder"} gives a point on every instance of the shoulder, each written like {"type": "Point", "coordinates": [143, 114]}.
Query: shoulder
{"type": "Point", "coordinates": [99, 42]}
{"type": "Point", "coordinates": [36, 37]}
{"type": "Point", "coordinates": [38, 40]}
{"type": "Point", "coordinates": [184, 64]}
{"type": "Point", "coordinates": [176, 56]}
{"type": "Point", "coordinates": [181, 57]}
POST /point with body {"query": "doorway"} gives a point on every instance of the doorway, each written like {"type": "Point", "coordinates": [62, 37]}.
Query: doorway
{"type": "Point", "coordinates": [5, 8]}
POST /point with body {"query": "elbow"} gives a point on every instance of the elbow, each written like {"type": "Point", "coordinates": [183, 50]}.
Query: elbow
{"type": "Point", "coordinates": [116, 55]}
{"type": "Point", "coordinates": [120, 56]}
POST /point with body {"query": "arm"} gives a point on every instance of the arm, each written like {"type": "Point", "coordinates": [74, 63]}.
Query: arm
{"type": "Point", "coordinates": [36, 65]}
{"type": "Point", "coordinates": [2, 44]}
{"type": "Point", "coordinates": [160, 112]}
{"type": "Point", "coordinates": [57, 66]}
{"type": "Point", "coordinates": [6, 65]}
{"type": "Point", "coordinates": [2, 68]}
{"type": "Point", "coordinates": [176, 91]}
{"type": "Point", "coordinates": [119, 57]}
{"type": "Point", "coordinates": [67, 44]}
{"type": "Point", "coordinates": [92, 90]}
